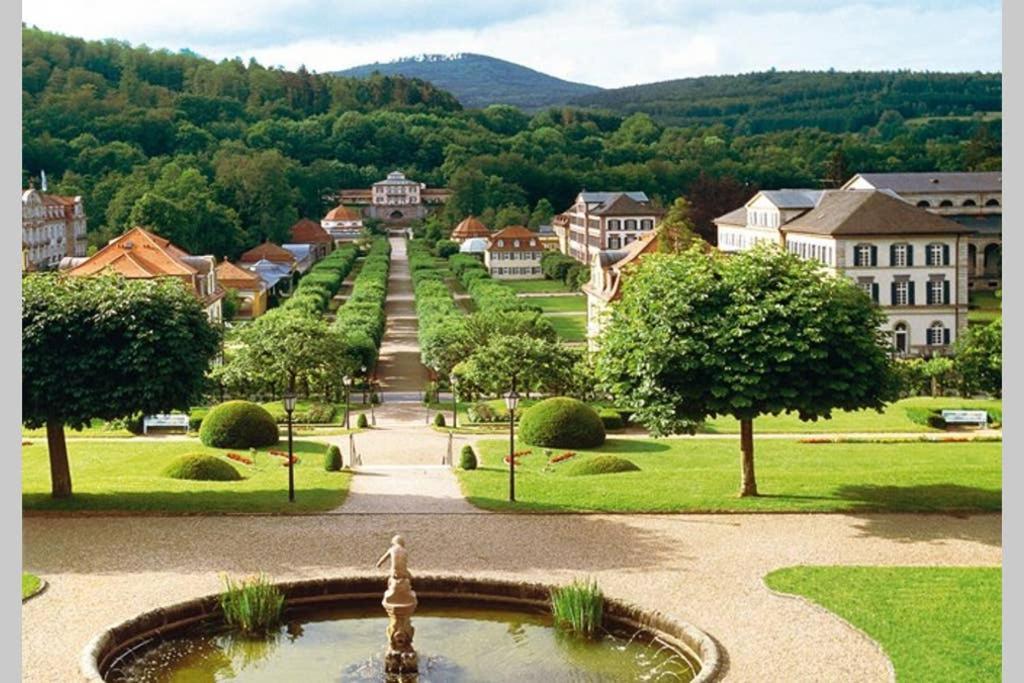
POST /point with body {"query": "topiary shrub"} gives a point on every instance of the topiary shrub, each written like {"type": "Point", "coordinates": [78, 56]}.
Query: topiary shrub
{"type": "Point", "coordinates": [201, 467]}
{"type": "Point", "coordinates": [600, 464]}
{"type": "Point", "coordinates": [467, 458]}
{"type": "Point", "coordinates": [481, 412]}
{"type": "Point", "coordinates": [361, 422]}
{"type": "Point", "coordinates": [195, 422]}
{"type": "Point", "coordinates": [332, 459]}
{"type": "Point", "coordinates": [238, 424]}
{"type": "Point", "coordinates": [611, 418]}
{"type": "Point", "coordinates": [561, 422]}
{"type": "Point", "coordinates": [439, 420]}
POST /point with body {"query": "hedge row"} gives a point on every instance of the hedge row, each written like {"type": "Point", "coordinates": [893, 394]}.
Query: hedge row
{"type": "Point", "coordinates": [434, 302]}
{"type": "Point", "coordinates": [361, 318]}
{"type": "Point", "coordinates": [487, 293]}
{"type": "Point", "coordinates": [322, 282]}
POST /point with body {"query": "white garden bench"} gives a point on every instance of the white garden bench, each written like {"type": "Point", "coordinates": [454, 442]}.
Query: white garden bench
{"type": "Point", "coordinates": [164, 421]}
{"type": "Point", "coordinates": [979, 417]}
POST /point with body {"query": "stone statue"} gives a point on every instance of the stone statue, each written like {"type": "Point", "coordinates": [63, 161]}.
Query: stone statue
{"type": "Point", "coordinates": [400, 603]}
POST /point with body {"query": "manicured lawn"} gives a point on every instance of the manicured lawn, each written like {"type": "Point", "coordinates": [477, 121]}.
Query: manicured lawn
{"type": "Point", "coordinates": [934, 623]}
{"type": "Point", "coordinates": [570, 328]}
{"type": "Point", "coordinates": [533, 286]}
{"type": "Point", "coordinates": [127, 476]}
{"type": "Point", "coordinates": [897, 417]}
{"type": "Point", "coordinates": [984, 307]}
{"type": "Point", "coordinates": [97, 429]}
{"type": "Point", "coordinates": [678, 475]}
{"type": "Point", "coordinates": [30, 585]}
{"type": "Point", "coordinates": [559, 304]}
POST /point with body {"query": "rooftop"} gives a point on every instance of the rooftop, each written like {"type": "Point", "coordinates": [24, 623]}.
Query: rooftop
{"type": "Point", "coordinates": [267, 251]}
{"type": "Point", "coordinates": [929, 182]}
{"type": "Point", "coordinates": [470, 227]}
{"type": "Point", "coordinates": [306, 231]}
{"type": "Point", "coordinates": [792, 198]}
{"type": "Point", "coordinates": [139, 253]}
{"type": "Point", "coordinates": [868, 212]}
{"type": "Point", "coordinates": [504, 239]}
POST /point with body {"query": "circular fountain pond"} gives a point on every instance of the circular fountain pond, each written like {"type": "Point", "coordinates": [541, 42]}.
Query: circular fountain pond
{"type": "Point", "coordinates": [466, 630]}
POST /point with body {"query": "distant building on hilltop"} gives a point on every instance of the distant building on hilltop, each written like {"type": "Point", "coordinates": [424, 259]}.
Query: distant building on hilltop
{"type": "Point", "coordinates": [911, 262]}
{"type": "Point", "coordinates": [396, 198]}
{"type": "Point", "coordinates": [52, 227]}
{"type": "Point", "coordinates": [975, 200]}
{"type": "Point", "coordinates": [600, 221]}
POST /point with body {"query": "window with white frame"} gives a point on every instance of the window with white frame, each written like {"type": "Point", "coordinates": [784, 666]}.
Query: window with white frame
{"type": "Point", "coordinates": [646, 224]}
{"type": "Point", "coordinates": [935, 254]}
{"type": "Point", "coordinates": [899, 255]}
{"type": "Point", "coordinates": [936, 291]}
{"type": "Point", "coordinates": [901, 293]}
{"type": "Point", "coordinates": [936, 334]}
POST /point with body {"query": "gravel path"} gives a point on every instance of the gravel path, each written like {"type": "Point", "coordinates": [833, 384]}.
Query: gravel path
{"type": "Point", "coordinates": [702, 568]}
{"type": "Point", "coordinates": [406, 489]}
{"type": "Point", "coordinates": [399, 368]}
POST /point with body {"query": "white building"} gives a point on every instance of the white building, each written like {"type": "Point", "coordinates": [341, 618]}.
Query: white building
{"type": "Point", "coordinates": [396, 198]}
{"type": "Point", "coordinates": [607, 271]}
{"type": "Point", "coordinates": [342, 224]}
{"type": "Point", "coordinates": [911, 262]}
{"type": "Point", "coordinates": [514, 253]}
{"type": "Point", "coordinates": [52, 227]}
{"type": "Point", "coordinates": [598, 221]}
{"type": "Point", "coordinates": [974, 200]}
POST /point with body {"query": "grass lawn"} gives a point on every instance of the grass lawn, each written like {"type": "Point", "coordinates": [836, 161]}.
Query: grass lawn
{"type": "Point", "coordinates": [679, 475]}
{"type": "Point", "coordinates": [30, 585]}
{"type": "Point", "coordinates": [559, 304]}
{"type": "Point", "coordinates": [570, 328]}
{"type": "Point", "coordinates": [897, 417]}
{"type": "Point", "coordinates": [984, 307]}
{"type": "Point", "coordinates": [127, 476]}
{"type": "Point", "coordinates": [536, 286]}
{"type": "Point", "coordinates": [934, 623]}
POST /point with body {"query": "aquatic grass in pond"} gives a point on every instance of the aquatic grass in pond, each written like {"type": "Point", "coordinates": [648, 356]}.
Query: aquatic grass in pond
{"type": "Point", "coordinates": [252, 605]}
{"type": "Point", "coordinates": [578, 607]}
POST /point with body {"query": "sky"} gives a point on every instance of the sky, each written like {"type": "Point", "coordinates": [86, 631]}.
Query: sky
{"type": "Point", "coordinates": [609, 43]}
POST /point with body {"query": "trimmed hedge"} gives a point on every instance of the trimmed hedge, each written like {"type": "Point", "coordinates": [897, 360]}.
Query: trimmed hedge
{"type": "Point", "coordinates": [201, 467]}
{"type": "Point", "coordinates": [238, 424]}
{"type": "Point", "coordinates": [317, 287]}
{"type": "Point", "coordinates": [439, 420]}
{"type": "Point", "coordinates": [361, 421]}
{"type": "Point", "coordinates": [361, 318]}
{"type": "Point", "coordinates": [467, 458]}
{"type": "Point", "coordinates": [611, 419]}
{"type": "Point", "coordinates": [561, 422]}
{"type": "Point", "coordinates": [332, 459]}
{"type": "Point", "coordinates": [600, 464]}
{"type": "Point", "coordinates": [434, 302]}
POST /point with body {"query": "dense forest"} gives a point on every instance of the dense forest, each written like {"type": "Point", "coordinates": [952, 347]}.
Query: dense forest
{"type": "Point", "coordinates": [479, 80]}
{"type": "Point", "coordinates": [835, 101]}
{"type": "Point", "coordinates": [219, 156]}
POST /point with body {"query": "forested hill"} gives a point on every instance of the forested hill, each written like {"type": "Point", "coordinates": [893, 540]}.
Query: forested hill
{"type": "Point", "coordinates": [781, 100]}
{"type": "Point", "coordinates": [479, 80]}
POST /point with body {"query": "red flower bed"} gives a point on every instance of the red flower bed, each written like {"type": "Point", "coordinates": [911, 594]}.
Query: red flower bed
{"type": "Point", "coordinates": [282, 454]}
{"type": "Point", "coordinates": [519, 454]}
{"type": "Point", "coordinates": [240, 458]}
{"type": "Point", "coordinates": [563, 456]}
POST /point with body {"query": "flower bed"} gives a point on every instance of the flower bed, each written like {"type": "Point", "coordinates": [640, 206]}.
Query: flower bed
{"type": "Point", "coordinates": [287, 460]}
{"type": "Point", "coordinates": [240, 458]}
{"type": "Point", "coordinates": [564, 456]}
{"type": "Point", "coordinates": [518, 454]}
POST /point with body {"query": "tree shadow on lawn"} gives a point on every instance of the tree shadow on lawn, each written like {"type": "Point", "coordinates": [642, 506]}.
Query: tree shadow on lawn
{"type": "Point", "coordinates": [188, 502]}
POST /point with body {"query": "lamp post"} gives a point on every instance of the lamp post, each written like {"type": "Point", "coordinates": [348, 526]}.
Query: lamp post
{"type": "Point", "coordinates": [455, 402]}
{"type": "Point", "coordinates": [289, 407]}
{"type": "Point", "coordinates": [347, 381]}
{"type": "Point", "coordinates": [511, 401]}
{"type": "Point", "coordinates": [364, 384]}
{"type": "Point", "coordinates": [373, 416]}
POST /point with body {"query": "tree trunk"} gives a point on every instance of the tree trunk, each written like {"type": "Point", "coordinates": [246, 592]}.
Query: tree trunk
{"type": "Point", "coordinates": [748, 483]}
{"type": "Point", "coordinates": [60, 471]}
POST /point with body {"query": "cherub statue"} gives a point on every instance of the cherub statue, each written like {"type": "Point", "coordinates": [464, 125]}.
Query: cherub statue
{"type": "Point", "coordinates": [399, 559]}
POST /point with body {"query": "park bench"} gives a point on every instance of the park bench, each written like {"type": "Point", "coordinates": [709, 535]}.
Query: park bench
{"type": "Point", "coordinates": [954, 417]}
{"type": "Point", "coordinates": [164, 421]}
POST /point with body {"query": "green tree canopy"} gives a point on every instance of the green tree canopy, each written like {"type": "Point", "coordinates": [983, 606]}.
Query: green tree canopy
{"type": "Point", "coordinates": [978, 359]}
{"type": "Point", "coordinates": [760, 332]}
{"type": "Point", "coordinates": [107, 348]}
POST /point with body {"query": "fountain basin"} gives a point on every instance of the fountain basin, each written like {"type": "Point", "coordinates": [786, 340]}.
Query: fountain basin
{"type": "Point", "coordinates": [466, 611]}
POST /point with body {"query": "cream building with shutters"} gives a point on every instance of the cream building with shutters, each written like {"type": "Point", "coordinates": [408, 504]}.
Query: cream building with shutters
{"type": "Point", "coordinates": [911, 262]}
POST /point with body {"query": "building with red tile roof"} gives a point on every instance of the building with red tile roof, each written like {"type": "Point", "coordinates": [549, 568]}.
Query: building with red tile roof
{"type": "Point", "coordinates": [514, 253]}
{"type": "Point", "coordinates": [249, 287]}
{"type": "Point", "coordinates": [310, 232]}
{"type": "Point", "coordinates": [469, 228]}
{"type": "Point", "coordinates": [343, 224]}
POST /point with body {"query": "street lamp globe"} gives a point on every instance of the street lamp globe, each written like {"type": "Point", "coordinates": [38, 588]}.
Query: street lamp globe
{"type": "Point", "coordinates": [289, 402]}
{"type": "Point", "coordinates": [511, 400]}
{"type": "Point", "coordinates": [347, 380]}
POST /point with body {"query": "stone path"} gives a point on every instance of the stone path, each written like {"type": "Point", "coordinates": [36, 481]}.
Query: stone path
{"type": "Point", "coordinates": [399, 368]}
{"type": "Point", "coordinates": [706, 569]}
{"type": "Point", "coordinates": [406, 489]}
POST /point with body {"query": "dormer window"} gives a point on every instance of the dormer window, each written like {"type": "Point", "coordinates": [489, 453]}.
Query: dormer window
{"type": "Point", "coordinates": [515, 243]}
{"type": "Point", "coordinates": [501, 243]}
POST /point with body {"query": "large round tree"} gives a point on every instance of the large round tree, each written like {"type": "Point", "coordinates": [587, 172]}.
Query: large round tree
{"type": "Point", "coordinates": [760, 332]}
{"type": "Point", "coordinates": [107, 348]}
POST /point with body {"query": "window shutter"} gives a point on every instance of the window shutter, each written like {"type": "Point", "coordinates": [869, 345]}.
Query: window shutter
{"type": "Point", "coordinates": [874, 255]}
{"type": "Point", "coordinates": [945, 336]}
{"type": "Point", "coordinates": [874, 292]}
{"type": "Point", "coordinates": [910, 255]}
{"type": "Point", "coordinates": [945, 291]}
{"type": "Point", "coordinates": [945, 254]}
{"type": "Point", "coordinates": [910, 292]}
{"type": "Point", "coordinates": [892, 255]}
{"type": "Point", "coordinates": [892, 294]}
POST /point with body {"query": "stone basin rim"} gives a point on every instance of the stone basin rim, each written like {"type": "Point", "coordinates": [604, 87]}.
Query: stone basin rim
{"type": "Point", "coordinates": [179, 617]}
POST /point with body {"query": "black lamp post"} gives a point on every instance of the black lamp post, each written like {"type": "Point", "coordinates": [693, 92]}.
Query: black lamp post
{"type": "Point", "coordinates": [511, 401]}
{"type": "Point", "coordinates": [289, 407]}
{"type": "Point", "coordinates": [347, 381]}
{"type": "Point", "coordinates": [455, 402]}
{"type": "Point", "coordinates": [364, 384]}
{"type": "Point", "coordinates": [373, 416]}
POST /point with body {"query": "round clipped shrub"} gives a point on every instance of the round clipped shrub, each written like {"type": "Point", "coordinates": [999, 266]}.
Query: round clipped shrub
{"type": "Point", "coordinates": [439, 420]}
{"type": "Point", "coordinates": [332, 459]}
{"type": "Point", "coordinates": [201, 467]}
{"type": "Point", "coordinates": [561, 422]}
{"type": "Point", "coordinates": [611, 419]}
{"type": "Point", "coordinates": [600, 464]}
{"type": "Point", "coordinates": [361, 423]}
{"type": "Point", "coordinates": [467, 458]}
{"type": "Point", "coordinates": [238, 424]}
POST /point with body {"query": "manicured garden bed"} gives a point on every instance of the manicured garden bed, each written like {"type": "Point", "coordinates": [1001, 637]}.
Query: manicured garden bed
{"type": "Point", "coordinates": [702, 475]}
{"type": "Point", "coordinates": [129, 476]}
{"type": "Point", "coordinates": [570, 328]}
{"type": "Point", "coordinates": [560, 304]}
{"type": "Point", "coordinates": [934, 623]}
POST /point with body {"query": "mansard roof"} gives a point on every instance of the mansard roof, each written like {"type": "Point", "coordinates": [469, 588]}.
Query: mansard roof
{"type": "Point", "coordinates": [932, 182]}
{"type": "Point", "coordinates": [869, 212]}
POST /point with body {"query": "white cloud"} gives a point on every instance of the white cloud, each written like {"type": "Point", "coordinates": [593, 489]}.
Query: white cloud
{"type": "Point", "coordinates": [604, 43]}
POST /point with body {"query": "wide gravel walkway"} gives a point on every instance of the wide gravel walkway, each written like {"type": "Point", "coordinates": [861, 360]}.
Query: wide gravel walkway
{"type": "Point", "coordinates": [399, 369]}
{"type": "Point", "coordinates": [706, 569]}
